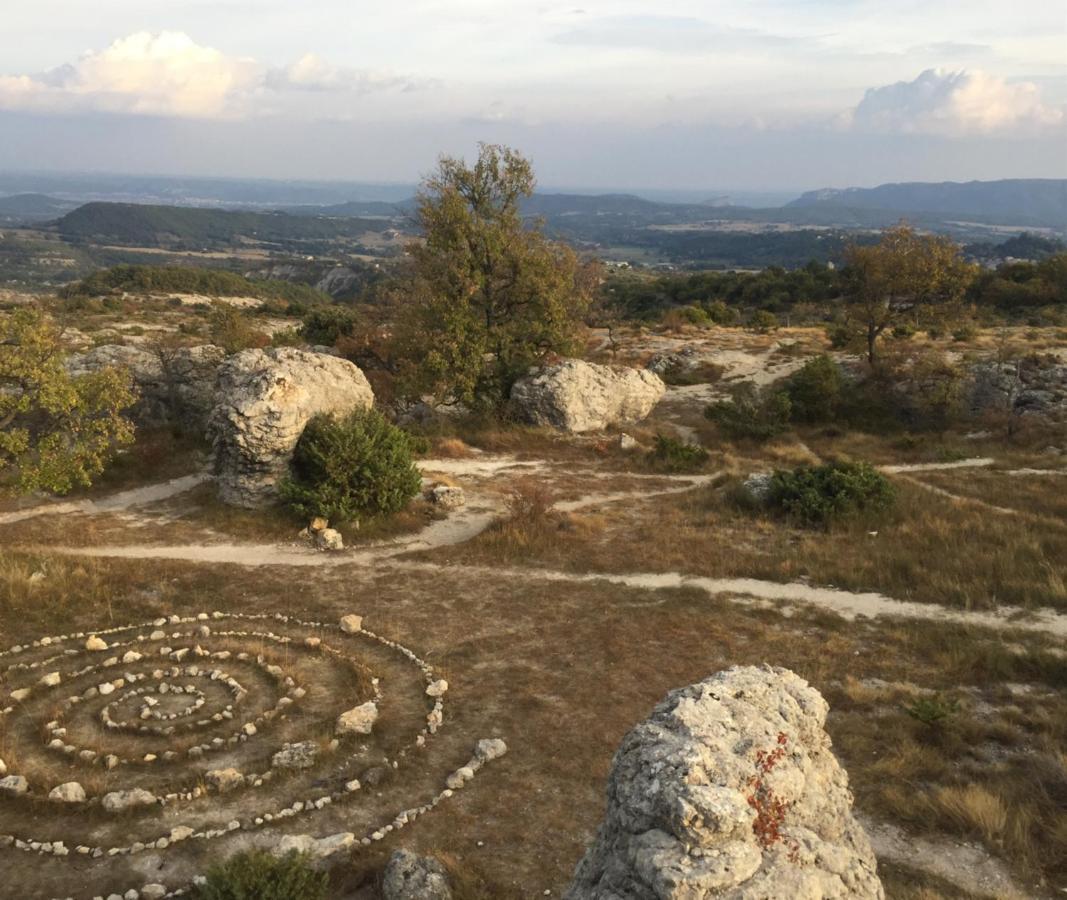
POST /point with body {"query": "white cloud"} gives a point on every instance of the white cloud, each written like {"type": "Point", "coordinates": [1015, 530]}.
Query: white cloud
{"type": "Point", "coordinates": [164, 74]}
{"type": "Point", "coordinates": [169, 74]}
{"type": "Point", "coordinates": [944, 102]}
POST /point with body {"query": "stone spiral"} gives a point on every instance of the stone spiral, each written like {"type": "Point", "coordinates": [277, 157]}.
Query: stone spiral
{"type": "Point", "coordinates": [140, 738]}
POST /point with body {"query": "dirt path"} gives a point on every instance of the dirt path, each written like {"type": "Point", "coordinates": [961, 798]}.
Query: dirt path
{"type": "Point", "coordinates": [976, 463]}
{"type": "Point", "coordinates": [142, 496]}
{"type": "Point", "coordinates": [966, 866]}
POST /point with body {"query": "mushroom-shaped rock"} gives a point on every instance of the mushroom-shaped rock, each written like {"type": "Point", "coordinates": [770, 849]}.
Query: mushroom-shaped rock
{"type": "Point", "coordinates": [691, 796]}
{"type": "Point", "coordinates": [264, 398]}
{"type": "Point", "coordinates": [359, 720]}
{"type": "Point", "coordinates": [71, 792]}
{"type": "Point", "coordinates": [577, 396]}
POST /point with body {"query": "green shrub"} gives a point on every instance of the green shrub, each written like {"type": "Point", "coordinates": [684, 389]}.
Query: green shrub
{"type": "Point", "coordinates": [763, 321]}
{"type": "Point", "coordinates": [904, 331]}
{"type": "Point", "coordinates": [720, 313]}
{"type": "Point", "coordinates": [695, 315]}
{"type": "Point", "coordinates": [256, 875]}
{"type": "Point", "coordinates": [840, 335]}
{"type": "Point", "coordinates": [815, 390]}
{"type": "Point", "coordinates": [234, 331]}
{"type": "Point", "coordinates": [751, 414]}
{"type": "Point", "coordinates": [671, 455]}
{"type": "Point", "coordinates": [817, 495]}
{"type": "Point", "coordinates": [325, 324]}
{"type": "Point", "coordinates": [965, 332]}
{"type": "Point", "coordinates": [933, 709]}
{"type": "Point", "coordinates": [343, 468]}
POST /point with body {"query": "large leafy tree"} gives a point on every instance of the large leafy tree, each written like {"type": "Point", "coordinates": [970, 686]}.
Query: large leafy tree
{"type": "Point", "coordinates": [490, 295]}
{"type": "Point", "coordinates": [905, 277]}
{"type": "Point", "coordinates": [57, 431]}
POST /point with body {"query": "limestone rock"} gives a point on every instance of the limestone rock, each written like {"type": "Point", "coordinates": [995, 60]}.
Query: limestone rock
{"type": "Point", "coordinates": [264, 399]}
{"type": "Point", "coordinates": [757, 487]}
{"type": "Point", "coordinates": [316, 848]}
{"type": "Point", "coordinates": [329, 539]}
{"type": "Point", "coordinates": [577, 396]}
{"type": "Point", "coordinates": [1033, 386]}
{"type": "Point", "coordinates": [359, 720]}
{"type": "Point", "coordinates": [224, 780]}
{"type": "Point", "coordinates": [679, 823]}
{"type": "Point", "coordinates": [446, 496]}
{"type": "Point", "coordinates": [95, 643]}
{"type": "Point", "coordinates": [412, 877]}
{"type": "Point", "coordinates": [300, 755]}
{"type": "Point", "coordinates": [488, 749]}
{"type": "Point", "coordinates": [3, 768]}
{"type": "Point", "coordinates": [14, 785]}
{"type": "Point", "coordinates": [120, 801]}
{"type": "Point", "coordinates": [175, 386]}
{"type": "Point", "coordinates": [351, 624]}
{"type": "Point", "coordinates": [71, 792]}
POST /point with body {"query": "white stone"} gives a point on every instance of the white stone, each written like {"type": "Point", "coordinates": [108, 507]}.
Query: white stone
{"type": "Point", "coordinates": [120, 801]}
{"type": "Point", "coordinates": [71, 792]}
{"type": "Point", "coordinates": [95, 643]}
{"type": "Point", "coordinates": [351, 624]}
{"type": "Point", "coordinates": [359, 720]}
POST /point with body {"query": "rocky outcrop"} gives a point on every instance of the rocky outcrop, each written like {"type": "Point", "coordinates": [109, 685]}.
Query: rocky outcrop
{"type": "Point", "coordinates": [730, 789]}
{"type": "Point", "coordinates": [265, 398]}
{"type": "Point", "coordinates": [577, 396]}
{"type": "Point", "coordinates": [176, 386]}
{"type": "Point", "coordinates": [411, 877]}
{"type": "Point", "coordinates": [1035, 385]}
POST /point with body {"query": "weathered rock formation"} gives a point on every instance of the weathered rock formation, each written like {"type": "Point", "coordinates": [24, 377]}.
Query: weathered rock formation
{"type": "Point", "coordinates": [264, 400]}
{"type": "Point", "coordinates": [692, 811]}
{"type": "Point", "coordinates": [577, 396]}
{"type": "Point", "coordinates": [175, 386]}
{"type": "Point", "coordinates": [1035, 385]}
{"type": "Point", "coordinates": [412, 877]}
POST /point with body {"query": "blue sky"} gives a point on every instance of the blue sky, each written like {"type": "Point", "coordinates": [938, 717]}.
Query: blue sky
{"type": "Point", "coordinates": [602, 93]}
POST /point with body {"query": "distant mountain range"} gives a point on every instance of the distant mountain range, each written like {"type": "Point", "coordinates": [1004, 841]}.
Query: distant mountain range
{"type": "Point", "coordinates": [1038, 201]}
{"type": "Point", "coordinates": [32, 208]}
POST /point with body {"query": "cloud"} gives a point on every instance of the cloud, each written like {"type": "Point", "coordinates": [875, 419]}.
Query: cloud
{"type": "Point", "coordinates": [165, 74]}
{"type": "Point", "coordinates": [943, 102]}
{"type": "Point", "coordinates": [313, 73]}
{"type": "Point", "coordinates": [168, 74]}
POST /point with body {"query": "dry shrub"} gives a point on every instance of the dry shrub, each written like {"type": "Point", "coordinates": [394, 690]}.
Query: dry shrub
{"type": "Point", "coordinates": [973, 809]}
{"type": "Point", "coordinates": [451, 448]}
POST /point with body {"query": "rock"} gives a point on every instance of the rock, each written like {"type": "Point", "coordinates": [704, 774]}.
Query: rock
{"type": "Point", "coordinates": [120, 801]}
{"type": "Point", "coordinates": [51, 679]}
{"type": "Point", "coordinates": [488, 749]}
{"type": "Point", "coordinates": [329, 539]}
{"type": "Point", "coordinates": [3, 768]}
{"type": "Point", "coordinates": [316, 848]}
{"type": "Point", "coordinates": [225, 780]}
{"type": "Point", "coordinates": [359, 720]}
{"type": "Point", "coordinates": [264, 398]}
{"type": "Point", "coordinates": [153, 891]}
{"type": "Point", "coordinates": [300, 755]}
{"type": "Point", "coordinates": [94, 643]}
{"type": "Point", "coordinates": [175, 386]}
{"type": "Point", "coordinates": [446, 496]}
{"type": "Point", "coordinates": [577, 396]}
{"type": "Point", "coordinates": [680, 824]}
{"type": "Point", "coordinates": [351, 624]}
{"type": "Point", "coordinates": [628, 442]}
{"type": "Point", "coordinates": [411, 877]}
{"type": "Point", "coordinates": [14, 785]}
{"type": "Point", "coordinates": [437, 688]}
{"type": "Point", "coordinates": [318, 524]}
{"type": "Point", "coordinates": [757, 487]}
{"type": "Point", "coordinates": [1035, 385]}
{"type": "Point", "coordinates": [71, 792]}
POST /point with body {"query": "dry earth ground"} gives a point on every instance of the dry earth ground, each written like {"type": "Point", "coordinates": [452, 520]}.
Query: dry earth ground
{"type": "Point", "coordinates": [572, 592]}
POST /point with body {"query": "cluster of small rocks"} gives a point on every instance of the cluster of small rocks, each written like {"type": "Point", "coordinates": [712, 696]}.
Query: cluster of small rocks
{"type": "Point", "coordinates": [446, 496]}
{"type": "Point", "coordinates": [319, 533]}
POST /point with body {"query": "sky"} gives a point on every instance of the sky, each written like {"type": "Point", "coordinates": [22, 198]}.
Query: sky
{"type": "Point", "coordinates": [601, 94]}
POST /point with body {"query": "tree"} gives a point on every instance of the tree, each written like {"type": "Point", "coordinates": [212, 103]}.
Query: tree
{"type": "Point", "coordinates": [57, 430]}
{"type": "Point", "coordinates": [490, 295]}
{"type": "Point", "coordinates": [905, 276]}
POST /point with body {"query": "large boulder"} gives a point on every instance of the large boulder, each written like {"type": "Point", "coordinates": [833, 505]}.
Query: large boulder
{"type": "Point", "coordinates": [175, 386]}
{"type": "Point", "coordinates": [264, 399]}
{"type": "Point", "coordinates": [694, 801]}
{"type": "Point", "coordinates": [1033, 386]}
{"type": "Point", "coordinates": [577, 396]}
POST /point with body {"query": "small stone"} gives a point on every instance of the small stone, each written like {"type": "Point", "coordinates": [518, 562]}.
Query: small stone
{"type": "Point", "coordinates": [359, 720]}
{"type": "Point", "coordinates": [351, 624]}
{"type": "Point", "coordinates": [225, 780]}
{"type": "Point", "coordinates": [437, 689]}
{"type": "Point", "coordinates": [14, 785]}
{"type": "Point", "coordinates": [95, 643]}
{"type": "Point", "coordinates": [120, 801]}
{"type": "Point", "coordinates": [329, 539]}
{"type": "Point", "coordinates": [71, 792]}
{"type": "Point", "coordinates": [51, 679]}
